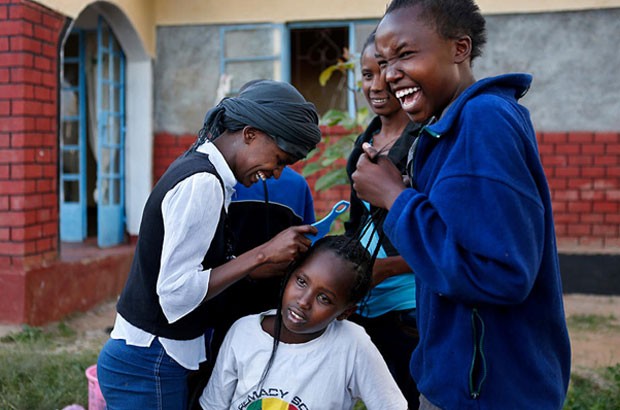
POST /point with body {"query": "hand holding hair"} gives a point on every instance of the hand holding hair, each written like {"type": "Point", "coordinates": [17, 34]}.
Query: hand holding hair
{"type": "Point", "coordinates": [376, 179]}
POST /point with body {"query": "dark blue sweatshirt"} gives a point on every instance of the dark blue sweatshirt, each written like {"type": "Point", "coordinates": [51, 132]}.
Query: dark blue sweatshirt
{"type": "Point", "coordinates": [478, 231]}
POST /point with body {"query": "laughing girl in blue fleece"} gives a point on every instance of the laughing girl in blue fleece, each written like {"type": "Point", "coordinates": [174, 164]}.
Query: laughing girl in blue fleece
{"type": "Point", "coordinates": [475, 224]}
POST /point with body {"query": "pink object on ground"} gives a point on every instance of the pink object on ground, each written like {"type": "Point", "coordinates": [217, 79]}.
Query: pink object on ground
{"type": "Point", "coordinates": [95, 398]}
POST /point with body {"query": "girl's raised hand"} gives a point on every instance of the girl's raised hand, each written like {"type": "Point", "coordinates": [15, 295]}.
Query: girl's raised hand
{"type": "Point", "coordinates": [376, 179]}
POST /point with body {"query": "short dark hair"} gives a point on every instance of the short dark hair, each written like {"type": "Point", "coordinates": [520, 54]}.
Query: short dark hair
{"type": "Point", "coordinates": [451, 18]}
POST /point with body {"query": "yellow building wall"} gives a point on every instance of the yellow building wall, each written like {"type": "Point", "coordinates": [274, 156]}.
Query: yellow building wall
{"type": "Point", "coordinates": [180, 12]}
{"type": "Point", "coordinates": [141, 14]}
{"type": "Point", "coordinates": [145, 15]}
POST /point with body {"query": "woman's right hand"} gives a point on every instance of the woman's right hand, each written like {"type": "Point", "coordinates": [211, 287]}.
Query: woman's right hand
{"type": "Point", "coordinates": [288, 244]}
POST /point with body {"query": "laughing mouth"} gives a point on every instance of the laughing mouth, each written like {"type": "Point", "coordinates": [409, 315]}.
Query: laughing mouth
{"type": "Point", "coordinates": [378, 100]}
{"type": "Point", "coordinates": [260, 175]}
{"type": "Point", "coordinates": [405, 96]}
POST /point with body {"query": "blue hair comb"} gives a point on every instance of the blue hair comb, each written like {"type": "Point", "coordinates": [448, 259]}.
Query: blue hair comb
{"type": "Point", "coordinates": [324, 225]}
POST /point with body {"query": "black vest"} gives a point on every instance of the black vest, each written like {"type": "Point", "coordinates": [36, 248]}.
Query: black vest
{"type": "Point", "coordinates": [138, 302]}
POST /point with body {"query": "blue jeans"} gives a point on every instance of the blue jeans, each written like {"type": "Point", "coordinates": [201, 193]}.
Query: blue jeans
{"type": "Point", "coordinates": [132, 377]}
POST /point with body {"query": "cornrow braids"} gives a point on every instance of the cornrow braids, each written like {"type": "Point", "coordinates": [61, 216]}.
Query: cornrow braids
{"type": "Point", "coordinates": [451, 18]}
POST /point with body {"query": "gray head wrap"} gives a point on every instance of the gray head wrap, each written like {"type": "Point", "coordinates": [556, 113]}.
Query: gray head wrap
{"type": "Point", "coordinates": [273, 107]}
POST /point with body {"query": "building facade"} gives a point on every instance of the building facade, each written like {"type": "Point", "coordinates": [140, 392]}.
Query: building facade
{"type": "Point", "coordinates": [97, 98]}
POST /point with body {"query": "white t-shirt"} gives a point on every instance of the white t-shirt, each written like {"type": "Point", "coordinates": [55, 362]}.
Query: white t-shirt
{"type": "Point", "coordinates": [330, 372]}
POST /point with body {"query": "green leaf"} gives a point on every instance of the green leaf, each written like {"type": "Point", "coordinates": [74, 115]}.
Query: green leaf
{"type": "Point", "coordinates": [331, 179]}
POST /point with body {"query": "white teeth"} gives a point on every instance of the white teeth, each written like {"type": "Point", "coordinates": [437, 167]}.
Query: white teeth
{"type": "Point", "coordinates": [406, 91]}
{"type": "Point", "coordinates": [261, 176]}
{"type": "Point", "coordinates": [379, 100]}
{"type": "Point", "coordinates": [296, 316]}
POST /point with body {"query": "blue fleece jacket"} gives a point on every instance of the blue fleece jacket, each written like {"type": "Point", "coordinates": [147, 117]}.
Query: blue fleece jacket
{"type": "Point", "coordinates": [478, 231]}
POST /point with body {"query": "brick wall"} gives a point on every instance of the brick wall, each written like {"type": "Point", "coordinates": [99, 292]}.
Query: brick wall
{"type": "Point", "coordinates": [29, 37]}
{"type": "Point", "coordinates": [583, 169]}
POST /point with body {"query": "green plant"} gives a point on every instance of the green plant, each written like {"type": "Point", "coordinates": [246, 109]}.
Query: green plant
{"type": "Point", "coordinates": [336, 148]}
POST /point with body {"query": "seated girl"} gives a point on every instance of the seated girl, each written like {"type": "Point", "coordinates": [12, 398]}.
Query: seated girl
{"type": "Point", "coordinates": [305, 355]}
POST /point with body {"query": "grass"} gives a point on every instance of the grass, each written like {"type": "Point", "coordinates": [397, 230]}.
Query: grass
{"type": "Point", "coordinates": [592, 322]}
{"type": "Point", "coordinates": [601, 392]}
{"type": "Point", "coordinates": [38, 373]}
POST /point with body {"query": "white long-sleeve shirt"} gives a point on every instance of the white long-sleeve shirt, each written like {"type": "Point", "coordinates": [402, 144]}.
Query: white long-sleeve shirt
{"type": "Point", "coordinates": [191, 213]}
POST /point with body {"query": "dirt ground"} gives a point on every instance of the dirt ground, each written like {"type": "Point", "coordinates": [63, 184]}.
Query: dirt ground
{"type": "Point", "coordinates": [591, 349]}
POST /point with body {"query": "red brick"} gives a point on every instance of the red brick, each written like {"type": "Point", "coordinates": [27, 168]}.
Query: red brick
{"type": "Point", "coordinates": [560, 229]}
{"type": "Point", "coordinates": [15, 28]}
{"type": "Point", "coordinates": [5, 108]}
{"type": "Point", "coordinates": [559, 206]}
{"type": "Point", "coordinates": [591, 195]}
{"type": "Point", "coordinates": [579, 206]}
{"type": "Point", "coordinates": [45, 34]}
{"type": "Point", "coordinates": [5, 234]}
{"type": "Point", "coordinates": [594, 172]}
{"type": "Point", "coordinates": [606, 160]}
{"type": "Point", "coordinates": [20, 218]}
{"type": "Point", "coordinates": [613, 171]}
{"type": "Point", "coordinates": [26, 75]}
{"type": "Point", "coordinates": [4, 44]}
{"type": "Point", "coordinates": [545, 149]}
{"type": "Point", "coordinates": [48, 50]}
{"type": "Point", "coordinates": [45, 185]}
{"type": "Point", "coordinates": [579, 230]}
{"type": "Point", "coordinates": [44, 124]}
{"type": "Point", "coordinates": [607, 137]}
{"type": "Point", "coordinates": [612, 218]}
{"type": "Point", "coordinates": [575, 160]}
{"type": "Point", "coordinates": [612, 194]}
{"type": "Point", "coordinates": [580, 137]}
{"type": "Point", "coordinates": [557, 184]}
{"type": "Point", "coordinates": [567, 172]}
{"type": "Point", "coordinates": [19, 140]}
{"type": "Point", "coordinates": [592, 218]}
{"type": "Point", "coordinates": [567, 148]}
{"type": "Point", "coordinates": [24, 107]}
{"type": "Point", "coordinates": [594, 149]}
{"type": "Point", "coordinates": [21, 43]}
{"type": "Point", "coordinates": [17, 248]}
{"type": "Point", "coordinates": [554, 160]}
{"type": "Point", "coordinates": [11, 90]}
{"type": "Point", "coordinates": [605, 207]}
{"type": "Point", "coordinates": [44, 244]}
{"type": "Point", "coordinates": [43, 63]}
{"type": "Point", "coordinates": [16, 59]}
{"type": "Point", "coordinates": [566, 195]}
{"type": "Point", "coordinates": [26, 171]}
{"type": "Point", "coordinates": [4, 73]}
{"type": "Point", "coordinates": [54, 22]}
{"type": "Point", "coordinates": [48, 171]}
{"type": "Point", "coordinates": [605, 230]}
{"type": "Point", "coordinates": [554, 138]}
{"type": "Point", "coordinates": [17, 187]}
{"type": "Point", "coordinates": [27, 233]}
{"type": "Point", "coordinates": [4, 171]}
{"type": "Point", "coordinates": [603, 184]}
{"type": "Point", "coordinates": [17, 123]}
{"type": "Point", "coordinates": [25, 12]}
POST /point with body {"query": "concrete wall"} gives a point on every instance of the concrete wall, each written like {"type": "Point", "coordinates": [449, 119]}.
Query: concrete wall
{"type": "Point", "coordinates": [572, 55]}
{"type": "Point", "coordinates": [574, 59]}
